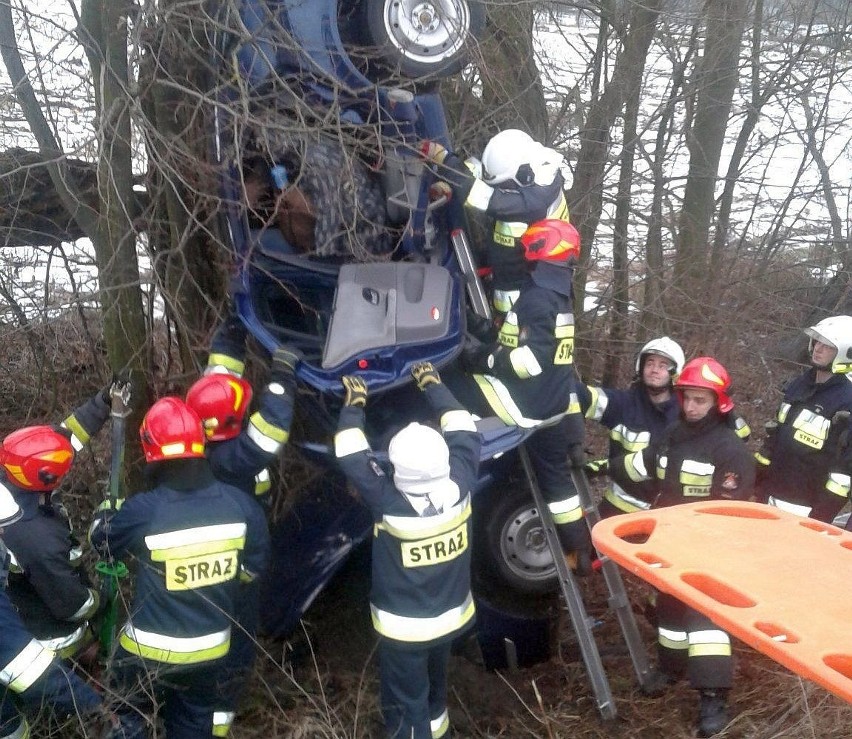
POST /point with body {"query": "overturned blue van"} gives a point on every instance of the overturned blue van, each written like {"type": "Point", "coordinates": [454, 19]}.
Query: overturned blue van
{"type": "Point", "coordinates": [365, 268]}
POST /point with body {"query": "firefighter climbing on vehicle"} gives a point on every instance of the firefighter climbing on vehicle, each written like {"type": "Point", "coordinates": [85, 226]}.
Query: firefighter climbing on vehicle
{"type": "Point", "coordinates": [420, 598]}
{"type": "Point", "coordinates": [519, 181]}
{"type": "Point", "coordinates": [700, 457]}
{"type": "Point", "coordinates": [527, 378]}
{"type": "Point", "coordinates": [32, 678]}
{"type": "Point", "coordinates": [194, 539]}
{"type": "Point", "coordinates": [241, 454]}
{"type": "Point", "coordinates": [47, 583]}
{"type": "Point", "coordinates": [806, 461]}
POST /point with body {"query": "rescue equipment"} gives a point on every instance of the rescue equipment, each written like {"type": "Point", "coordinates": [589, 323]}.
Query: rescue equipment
{"type": "Point", "coordinates": [722, 558]}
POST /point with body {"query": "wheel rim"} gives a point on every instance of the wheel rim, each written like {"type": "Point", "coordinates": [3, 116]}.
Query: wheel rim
{"type": "Point", "coordinates": [427, 31]}
{"type": "Point", "coordinates": [523, 546]}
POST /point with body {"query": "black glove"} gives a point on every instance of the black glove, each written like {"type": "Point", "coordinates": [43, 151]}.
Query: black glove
{"type": "Point", "coordinates": [425, 374]}
{"type": "Point", "coordinates": [475, 356]}
{"type": "Point", "coordinates": [577, 456]}
{"type": "Point", "coordinates": [481, 328]}
{"type": "Point", "coordinates": [284, 363]}
{"type": "Point", "coordinates": [356, 391]}
{"type": "Point", "coordinates": [232, 331]}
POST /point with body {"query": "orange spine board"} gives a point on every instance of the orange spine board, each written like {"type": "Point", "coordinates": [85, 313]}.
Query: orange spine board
{"type": "Point", "coordinates": [778, 582]}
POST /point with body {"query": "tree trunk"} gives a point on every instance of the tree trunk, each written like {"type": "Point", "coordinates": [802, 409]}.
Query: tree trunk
{"type": "Point", "coordinates": [586, 194]}
{"type": "Point", "coordinates": [189, 264]}
{"type": "Point", "coordinates": [511, 84]}
{"type": "Point", "coordinates": [620, 263]}
{"type": "Point", "coordinates": [653, 319]}
{"type": "Point", "coordinates": [715, 79]}
{"type": "Point", "coordinates": [32, 212]}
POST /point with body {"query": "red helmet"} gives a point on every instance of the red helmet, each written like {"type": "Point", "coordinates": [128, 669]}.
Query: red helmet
{"type": "Point", "coordinates": [707, 373]}
{"type": "Point", "coordinates": [220, 400]}
{"type": "Point", "coordinates": [36, 457]}
{"type": "Point", "coordinates": [171, 430]}
{"type": "Point", "coordinates": [551, 240]}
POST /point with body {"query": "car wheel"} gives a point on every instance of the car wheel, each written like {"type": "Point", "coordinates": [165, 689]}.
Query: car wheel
{"type": "Point", "coordinates": [422, 38]}
{"type": "Point", "coordinates": [511, 545]}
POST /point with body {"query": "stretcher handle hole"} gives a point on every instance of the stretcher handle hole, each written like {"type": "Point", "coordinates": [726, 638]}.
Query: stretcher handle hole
{"type": "Point", "coordinates": [652, 560]}
{"type": "Point", "coordinates": [637, 531]}
{"type": "Point", "coordinates": [776, 632]}
{"type": "Point", "coordinates": [841, 663]}
{"type": "Point", "coordinates": [820, 527]}
{"type": "Point", "coordinates": [741, 511]}
{"type": "Point", "coordinates": [717, 590]}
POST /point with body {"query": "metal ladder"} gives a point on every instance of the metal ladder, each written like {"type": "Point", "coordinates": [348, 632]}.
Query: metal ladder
{"type": "Point", "coordinates": [617, 601]}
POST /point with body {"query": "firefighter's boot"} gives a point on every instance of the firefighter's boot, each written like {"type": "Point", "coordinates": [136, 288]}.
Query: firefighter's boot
{"type": "Point", "coordinates": [712, 712]}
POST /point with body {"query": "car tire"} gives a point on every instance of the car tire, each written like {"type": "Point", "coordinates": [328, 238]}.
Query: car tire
{"type": "Point", "coordinates": [511, 549]}
{"type": "Point", "coordinates": [419, 39]}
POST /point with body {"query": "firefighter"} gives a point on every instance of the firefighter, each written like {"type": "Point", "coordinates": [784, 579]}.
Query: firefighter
{"type": "Point", "coordinates": [699, 458]}
{"type": "Point", "coordinates": [240, 454]}
{"type": "Point", "coordinates": [194, 538]}
{"type": "Point", "coordinates": [46, 582]}
{"type": "Point", "coordinates": [31, 676]}
{"type": "Point", "coordinates": [518, 181]}
{"type": "Point", "coordinates": [529, 378]}
{"type": "Point", "coordinates": [635, 416]}
{"type": "Point", "coordinates": [806, 462]}
{"type": "Point", "coordinates": [420, 598]}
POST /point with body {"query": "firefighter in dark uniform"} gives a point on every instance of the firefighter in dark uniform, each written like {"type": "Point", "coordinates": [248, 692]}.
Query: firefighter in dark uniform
{"type": "Point", "coordinates": [519, 181]}
{"type": "Point", "coordinates": [46, 583]}
{"type": "Point", "coordinates": [529, 378]}
{"type": "Point", "coordinates": [635, 417]}
{"type": "Point", "coordinates": [240, 454]}
{"type": "Point", "coordinates": [638, 415]}
{"type": "Point", "coordinates": [806, 462]}
{"type": "Point", "coordinates": [700, 457]}
{"type": "Point", "coordinates": [31, 676]}
{"type": "Point", "coordinates": [194, 538]}
{"type": "Point", "coordinates": [420, 599]}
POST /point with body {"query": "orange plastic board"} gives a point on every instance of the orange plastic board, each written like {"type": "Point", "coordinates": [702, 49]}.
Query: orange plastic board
{"type": "Point", "coordinates": [780, 583]}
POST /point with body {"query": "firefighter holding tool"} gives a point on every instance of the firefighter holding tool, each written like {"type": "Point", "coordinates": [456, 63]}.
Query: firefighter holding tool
{"type": "Point", "coordinates": [47, 583]}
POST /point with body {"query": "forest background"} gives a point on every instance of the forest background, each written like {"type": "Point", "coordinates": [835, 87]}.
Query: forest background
{"type": "Point", "coordinates": [711, 187]}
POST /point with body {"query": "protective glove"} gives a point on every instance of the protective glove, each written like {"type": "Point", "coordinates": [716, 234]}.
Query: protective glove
{"type": "Point", "coordinates": [425, 374]}
{"type": "Point", "coordinates": [285, 360]}
{"type": "Point", "coordinates": [440, 190]}
{"type": "Point", "coordinates": [764, 455]}
{"type": "Point", "coordinates": [231, 333]}
{"type": "Point", "coordinates": [577, 456]}
{"type": "Point", "coordinates": [356, 391]}
{"type": "Point", "coordinates": [478, 357]}
{"type": "Point", "coordinates": [433, 151]}
{"type": "Point", "coordinates": [481, 328]}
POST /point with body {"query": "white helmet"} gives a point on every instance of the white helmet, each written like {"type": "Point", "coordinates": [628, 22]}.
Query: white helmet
{"type": "Point", "coordinates": [420, 459]}
{"type": "Point", "coordinates": [505, 154]}
{"type": "Point", "coordinates": [665, 347]}
{"type": "Point", "coordinates": [10, 511]}
{"type": "Point", "coordinates": [835, 331]}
